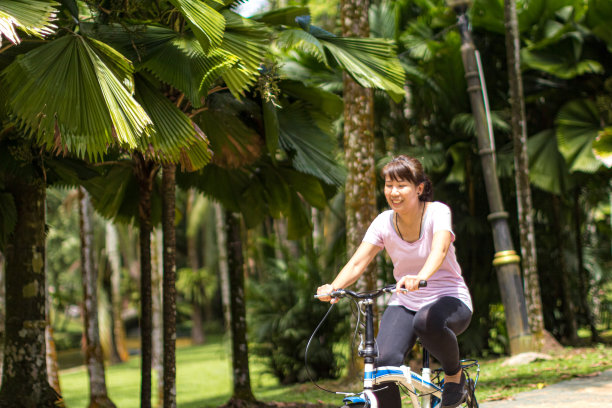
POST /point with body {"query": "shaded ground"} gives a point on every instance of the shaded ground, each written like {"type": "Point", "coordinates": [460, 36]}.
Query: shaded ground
{"type": "Point", "coordinates": [586, 392]}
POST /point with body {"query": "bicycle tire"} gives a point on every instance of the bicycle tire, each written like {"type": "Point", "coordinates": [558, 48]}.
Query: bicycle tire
{"type": "Point", "coordinates": [471, 401]}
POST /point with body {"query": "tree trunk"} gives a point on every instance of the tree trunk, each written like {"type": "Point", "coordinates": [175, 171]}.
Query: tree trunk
{"type": "Point", "coordinates": [197, 326]}
{"type": "Point", "coordinates": [157, 336]}
{"type": "Point", "coordinates": [242, 393]}
{"type": "Point", "coordinates": [531, 283]}
{"type": "Point", "coordinates": [569, 310]}
{"type": "Point", "coordinates": [360, 189]}
{"type": "Point", "coordinates": [119, 346]}
{"type": "Point", "coordinates": [24, 374]}
{"type": "Point", "coordinates": [52, 366]}
{"type": "Point", "coordinates": [223, 264]}
{"type": "Point", "coordinates": [583, 275]}
{"type": "Point", "coordinates": [145, 173]}
{"type": "Point", "coordinates": [169, 284]}
{"type": "Point", "coordinates": [94, 360]}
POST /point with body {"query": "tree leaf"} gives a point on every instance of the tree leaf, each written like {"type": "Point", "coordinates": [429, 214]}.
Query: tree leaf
{"type": "Point", "coordinates": [206, 22]}
{"type": "Point", "coordinates": [547, 167]}
{"type": "Point", "coordinates": [75, 94]}
{"type": "Point", "coordinates": [31, 16]}
{"type": "Point", "coordinates": [578, 125]}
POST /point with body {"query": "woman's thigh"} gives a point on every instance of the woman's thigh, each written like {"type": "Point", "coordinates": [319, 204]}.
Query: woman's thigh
{"type": "Point", "coordinates": [396, 335]}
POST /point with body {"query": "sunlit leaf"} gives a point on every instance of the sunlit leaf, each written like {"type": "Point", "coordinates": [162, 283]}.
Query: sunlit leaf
{"type": "Point", "coordinates": [207, 23]}
{"type": "Point", "coordinates": [75, 93]}
{"type": "Point", "coordinates": [578, 125]}
{"type": "Point", "coordinates": [33, 17]}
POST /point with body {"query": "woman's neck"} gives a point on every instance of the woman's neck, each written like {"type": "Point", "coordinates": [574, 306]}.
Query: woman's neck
{"type": "Point", "coordinates": [408, 223]}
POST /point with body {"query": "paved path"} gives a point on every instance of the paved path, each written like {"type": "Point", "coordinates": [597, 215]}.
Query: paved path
{"type": "Point", "coordinates": [586, 392]}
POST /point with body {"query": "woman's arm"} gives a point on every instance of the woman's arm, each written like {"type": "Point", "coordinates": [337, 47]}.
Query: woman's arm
{"type": "Point", "coordinates": [352, 270]}
{"type": "Point", "coordinates": [439, 248]}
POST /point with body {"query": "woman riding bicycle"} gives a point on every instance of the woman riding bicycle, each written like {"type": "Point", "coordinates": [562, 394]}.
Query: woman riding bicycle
{"type": "Point", "coordinates": [416, 233]}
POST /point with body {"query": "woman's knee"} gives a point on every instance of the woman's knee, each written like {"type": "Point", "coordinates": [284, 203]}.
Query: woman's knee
{"type": "Point", "coordinates": [424, 326]}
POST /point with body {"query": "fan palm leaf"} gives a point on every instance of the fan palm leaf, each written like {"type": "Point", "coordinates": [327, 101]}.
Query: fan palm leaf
{"type": "Point", "coordinates": [310, 148]}
{"type": "Point", "coordinates": [547, 167]}
{"type": "Point", "coordinates": [248, 40]}
{"type": "Point", "coordinates": [602, 146]}
{"type": "Point", "coordinates": [370, 61]}
{"type": "Point", "coordinates": [30, 16]}
{"type": "Point", "coordinates": [75, 93]}
{"type": "Point", "coordinates": [578, 125]}
{"type": "Point", "coordinates": [175, 139]}
{"type": "Point", "coordinates": [177, 59]}
{"type": "Point", "coordinates": [283, 17]}
{"type": "Point", "coordinates": [303, 41]}
{"type": "Point", "coordinates": [205, 21]}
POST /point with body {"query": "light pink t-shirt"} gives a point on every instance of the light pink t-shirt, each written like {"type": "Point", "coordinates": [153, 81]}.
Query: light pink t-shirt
{"type": "Point", "coordinates": [408, 258]}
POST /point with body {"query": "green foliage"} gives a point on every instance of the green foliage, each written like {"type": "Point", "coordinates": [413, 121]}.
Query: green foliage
{"type": "Point", "coordinates": [284, 313]}
{"type": "Point", "coordinates": [30, 16]}
{"type": "Point", "coordinates": [77, 90]}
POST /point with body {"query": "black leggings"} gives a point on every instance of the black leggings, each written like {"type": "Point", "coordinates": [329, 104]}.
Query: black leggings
{"type": "Point", "coordinates": [436, 325]}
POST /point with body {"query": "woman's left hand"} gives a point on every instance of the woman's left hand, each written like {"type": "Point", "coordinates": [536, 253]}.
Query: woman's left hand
{"type": "Point", "coordinates": [408, 282]}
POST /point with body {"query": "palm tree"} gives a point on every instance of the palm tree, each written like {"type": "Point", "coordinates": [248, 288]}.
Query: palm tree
{"type": "Point", "coordinates": [533, 299]}
{"type": "Point", "coordinates": [94, 359]}
{"type": "Point", "coordinates": [360, 188]}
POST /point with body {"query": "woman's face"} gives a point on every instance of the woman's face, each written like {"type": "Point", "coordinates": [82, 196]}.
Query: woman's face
{"type": "Point", "coordinates": [401, 194]}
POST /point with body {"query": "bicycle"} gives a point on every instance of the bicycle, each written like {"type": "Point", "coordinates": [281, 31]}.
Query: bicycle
{"type": "Point", "coordinates": [428, 385]}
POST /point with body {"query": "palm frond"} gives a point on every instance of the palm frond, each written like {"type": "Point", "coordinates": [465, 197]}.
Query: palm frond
{"type": "Point", "coordinates": [247, 40]}
{"type": "Point", "coordinates": [370, 61]}
{"type": "Point", "coordinates": [284, 16]}
{"type": "Point", "coordinates": [233, 142]}
{"type": "Point", "coordinates": [75, 93]}
{"type": "Point", "coordinates": [175, 138]}
{"type": "Point", "coordinates": [33, 17]}
{"type": "Point", "coordinates": [177, 59]}
{"type": "Point", "coordinates": [602, 146]}
{"type": "Point", "coordinates": [206, 22]}
{"type": "Point", "coordinates": [578, 125]}
{"type": "Point", "coordinates": [547, 167]}
{"type": "Point", "coordinates": [310, 149]}
{"type": "Point", "coordinates": [303, 41]}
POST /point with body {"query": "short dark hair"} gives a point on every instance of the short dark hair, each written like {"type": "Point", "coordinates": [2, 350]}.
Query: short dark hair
{"type": "Point", "coordinates": [408, 168]}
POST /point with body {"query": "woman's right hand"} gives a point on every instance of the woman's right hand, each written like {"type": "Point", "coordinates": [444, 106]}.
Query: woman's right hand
{"type": "Point", "coordinates": [326, 290]}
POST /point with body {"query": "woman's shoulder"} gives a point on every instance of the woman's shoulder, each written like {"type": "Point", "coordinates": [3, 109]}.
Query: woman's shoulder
{"type": "Point", "coordinates": [439, 206]}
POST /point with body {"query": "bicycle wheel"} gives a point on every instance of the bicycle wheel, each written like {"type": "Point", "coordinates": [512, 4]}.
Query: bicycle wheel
{"type": "Point", "coordinates": [471, 401]}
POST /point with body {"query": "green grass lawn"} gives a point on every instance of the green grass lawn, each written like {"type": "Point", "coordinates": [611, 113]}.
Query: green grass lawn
{"type": "Point", "coordinates": [203, 378]}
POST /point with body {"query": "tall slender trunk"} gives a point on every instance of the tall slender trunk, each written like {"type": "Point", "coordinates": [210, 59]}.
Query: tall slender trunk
{"type": "Point", "coordinates": [98, 395]}
{"type": "Point", "coordinates": [169, 284]}
{"type": "Point", "coordinates": [360, 185]}
{"type": "Point", "coordinates": [360, 188]}
{"type": "Point", "coordinates": [24, 374]}
{"type": "Point", "coordinates": [242, 393]}
{"type": "Point", "coordinates": [533, 299]}
{"type": "Point", "coordinates": [569, 310]}
{"type": "Point", "coordinates": [197, 326]}
{"type": "Point", "coordinates": [52, 366]}
{"type": "Point", "coordinates": [583, 275]}
{"type": "Point", "coordinates": [220, 227]}
{"type": "Point", "coordinates": [157, 334]}
{"type": "Point", "coordinates": [145, 173]}
{"type": "Point", "coordinates": [120, 352]}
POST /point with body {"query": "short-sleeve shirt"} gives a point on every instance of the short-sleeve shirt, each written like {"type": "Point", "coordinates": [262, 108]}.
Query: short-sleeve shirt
{"type": "Point", "coordinates": [409, 257]}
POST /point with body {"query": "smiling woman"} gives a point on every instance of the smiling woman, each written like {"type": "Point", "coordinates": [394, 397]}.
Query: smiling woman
{"type": "Point", "coordinates": [417, 234]}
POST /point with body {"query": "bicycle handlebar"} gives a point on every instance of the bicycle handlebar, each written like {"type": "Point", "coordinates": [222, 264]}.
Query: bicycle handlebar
{"type": "Point", "coordinates": [340, 293]}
